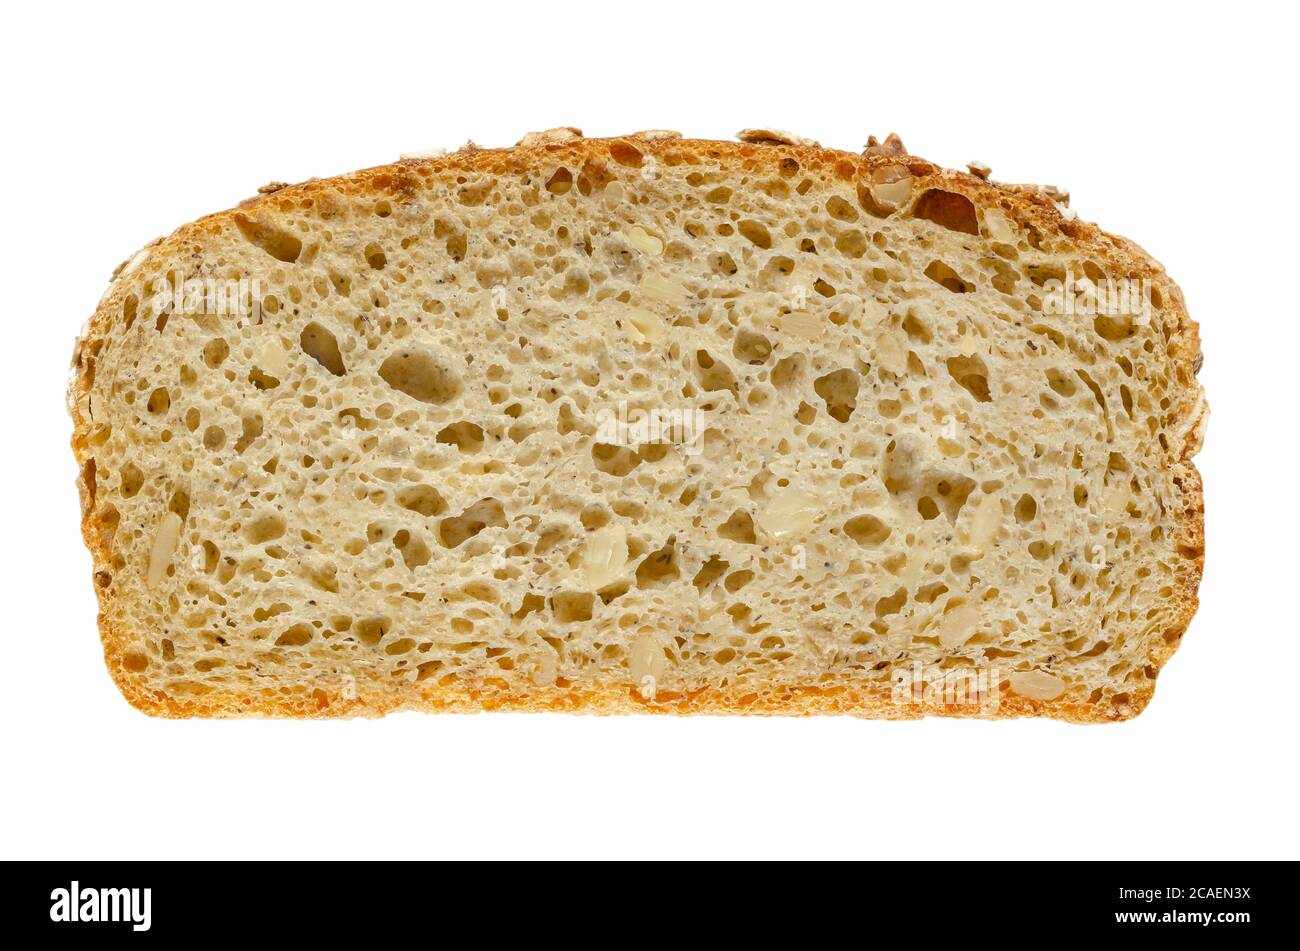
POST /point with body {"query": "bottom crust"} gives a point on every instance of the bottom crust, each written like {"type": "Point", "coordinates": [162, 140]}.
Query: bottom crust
{"type": "Point", "coordinates": [877, 702]}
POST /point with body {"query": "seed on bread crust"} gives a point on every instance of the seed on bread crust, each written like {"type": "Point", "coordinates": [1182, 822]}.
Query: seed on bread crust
{"type": "Point", "coordinates": [775, 137]}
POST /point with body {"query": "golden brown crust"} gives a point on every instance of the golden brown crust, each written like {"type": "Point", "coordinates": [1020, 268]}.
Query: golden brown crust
{"type": "Point", "coordinates": [1035, 207]}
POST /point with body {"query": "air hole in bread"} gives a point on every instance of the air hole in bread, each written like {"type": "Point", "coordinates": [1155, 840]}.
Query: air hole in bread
{"type": "Point", "coordinates": [839, 391]}
{"type": "Point", "coordinates": [945, 276]}
{"type": "Point", "coordinates": [420, 376]}
{"type": "Point", "coordinates": [972, 375]}
{"type": "Point", "coordinates": [454, 531]}
{"type": "Point", "coordinates": [947, 209]}
{"type": "Point", "coordinates": [867, 530]}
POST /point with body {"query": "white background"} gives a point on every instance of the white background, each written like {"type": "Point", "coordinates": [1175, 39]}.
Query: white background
{"type": "Point", "coordinates": [1169, 123]}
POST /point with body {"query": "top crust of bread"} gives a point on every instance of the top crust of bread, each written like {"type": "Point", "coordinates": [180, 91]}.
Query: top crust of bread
{"type": "Point", "coordinates": [1030, 206]}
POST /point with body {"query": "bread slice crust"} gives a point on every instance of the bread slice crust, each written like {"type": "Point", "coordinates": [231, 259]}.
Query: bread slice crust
{"type": "Point", "coordinates": [406, 180]}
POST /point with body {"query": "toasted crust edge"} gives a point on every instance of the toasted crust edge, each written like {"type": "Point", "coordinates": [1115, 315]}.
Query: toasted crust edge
{"type": "Point", "coordinates": [1026, 203]}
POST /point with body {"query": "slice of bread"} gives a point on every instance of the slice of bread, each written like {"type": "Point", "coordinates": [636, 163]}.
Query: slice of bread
{"type": "Point", "coordinates": [642, 424]}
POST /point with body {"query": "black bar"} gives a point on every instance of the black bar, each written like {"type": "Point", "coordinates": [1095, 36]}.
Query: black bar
{"type": "Point", "coordinates": [331, 901]}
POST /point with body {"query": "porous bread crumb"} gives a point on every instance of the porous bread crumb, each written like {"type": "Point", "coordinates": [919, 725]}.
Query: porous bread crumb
{"type": "Point", "coordinates": [414, 475]}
